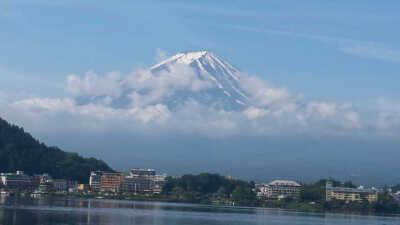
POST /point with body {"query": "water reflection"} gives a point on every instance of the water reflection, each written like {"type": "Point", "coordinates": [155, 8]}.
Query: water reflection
{"type": "Point", "coordinates": [14, 211]}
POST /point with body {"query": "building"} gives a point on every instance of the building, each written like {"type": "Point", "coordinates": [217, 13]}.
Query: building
{"type": "Point", "coordinates": [16, 181]}
{"type": "Point", "coordinates": [95, 181]}
{"type": "Point", "coordinates": [72, 185]}
{"type": "Point", "coordinates": [144, 180]}
{"type": "Point", "coordinates": [82, 187]}
{"type": "Point", "coordinates": [138, 181]}
{"type": "Point", "coordinates": [45, 184]}
{"type": "Point", "coordinates": [350, 194]}
{"type": "Point", "coordinates": [60, 185]}
{"type": "Point", "coordinates": [111, 182]}
{"type": "Point", "coordinates": [142, 172]}
{"type": "Point", "coordinates": [158, 183]}
{"type": "Point", "coordinates": [35, 179]}
{"type": "Point", "coordinates": [278, 189]}
{"type": "Point", "coordinates": [136, 184]}
{"type": "Point", "coordinates": [230, 177]}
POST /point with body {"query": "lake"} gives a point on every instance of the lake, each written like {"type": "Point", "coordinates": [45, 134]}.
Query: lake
{"type": "Point", "coordinates": [16, 211]}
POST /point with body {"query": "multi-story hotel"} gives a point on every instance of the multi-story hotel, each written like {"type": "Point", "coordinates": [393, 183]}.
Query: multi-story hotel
{"type": "Point", "coordinates": [278, 189]}
{"type": "Point", "coordinates": [18, 180]}
{"type": "Point", "coordinates": [139, 180]}
{"type": "Point", "coordinates": [350, 194]}
{"type": "Point", "coordinates": [136, 184]}
{"type": "Point", "coordinates": [144, 180]}
{"type": "Point", "coordinates": [60, 185]}
{"type": "Point", "coordinates": [95, 180]}
{"type": "Point", "coordinates": [142, 172]}
{"type": "Point", "coordinates": [111, 182]}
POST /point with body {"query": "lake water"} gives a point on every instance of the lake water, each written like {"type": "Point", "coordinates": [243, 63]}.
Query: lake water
{"type": "Point", "coordinates": [112, 212]}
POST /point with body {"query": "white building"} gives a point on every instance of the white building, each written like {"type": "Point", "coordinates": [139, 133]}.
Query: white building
{"type": "Point", "coordinates": [18, 180]}
{"type": "Point", "coordinates": [278, 189]}
{"type": "Point", "coordinates": [144, 180]}
{"type": "Point", "coordinates": [95, 180]}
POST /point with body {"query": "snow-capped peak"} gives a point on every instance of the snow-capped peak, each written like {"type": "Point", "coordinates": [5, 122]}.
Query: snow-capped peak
{"type": "Point", "coordinates": [185, 58]}
{"type": "Point", "coordinates": [212, 68]}
{"type": "Point", "coordinates": [202, 60]}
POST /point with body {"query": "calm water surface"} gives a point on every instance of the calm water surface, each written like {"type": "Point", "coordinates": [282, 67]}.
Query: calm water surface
{"type": "Point", "coordinates": [109, 212]}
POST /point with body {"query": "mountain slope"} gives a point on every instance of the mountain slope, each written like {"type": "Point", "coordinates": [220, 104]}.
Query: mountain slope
{"type": "Point", "coordinates": [20, 151]}
{"type": "Point", "coordinates": [225, 91]}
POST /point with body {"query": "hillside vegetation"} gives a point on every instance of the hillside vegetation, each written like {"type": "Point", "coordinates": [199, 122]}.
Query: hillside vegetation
{"type": "Point", "coordinates": [20, 151]}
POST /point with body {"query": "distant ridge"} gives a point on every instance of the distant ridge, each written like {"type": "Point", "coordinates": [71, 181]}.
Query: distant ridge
{"type": "Point", "coordinates": [20, 151]}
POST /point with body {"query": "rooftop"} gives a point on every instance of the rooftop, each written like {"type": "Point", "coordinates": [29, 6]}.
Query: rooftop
{"type": "Point", "coordinates": [350, 190]}
{"type": "Point", "coordinates": [285, 183]}
{"type": "Point", "coordinates": [141, 169]}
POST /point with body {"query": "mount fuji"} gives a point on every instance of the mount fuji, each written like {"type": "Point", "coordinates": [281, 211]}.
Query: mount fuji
{"type": "Point", "coordinates": [224, 90]}
{"type": "Point", "coordinates": [200, 77]}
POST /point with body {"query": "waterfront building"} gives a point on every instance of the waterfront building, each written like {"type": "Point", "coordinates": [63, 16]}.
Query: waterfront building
{"type": "Point", "coordinates": [35, 179]}
{"type": "Point", "coordinates": [95, 181]}
{"type": "Point", "coordinates": [136, 184]}
{"type": "Point", "coordinates": [158, 183]}
{"type": "Point", "coordinates": [278, 189]}
{"type": "Point", "coordinates": [350, 194]}
{"type": "Point", "coordinates": [83, 187]}
{"type": "Point", "coordinates": [144, 180]}
{"type": "Point", "coordinates": [139, 180]}
{"type": "Point", "coordinates": [60, 185]}
{"type": "Point", "coordinates": [45, 184]}
{"type": "Point", "coordinates": [230, 177]}
{"type": "Point", "coordinates": [137, 172]}
{"type": "Point", "coordinates": [46, 179]}
{"type": "Point", "coordinates": [16, 181]}
{"type": "Point", "coordinates": [72, 185]}
{"type": "Point", "coordinates": [111, 182]}
{"type": "Point", "coordinates": [43, 189]}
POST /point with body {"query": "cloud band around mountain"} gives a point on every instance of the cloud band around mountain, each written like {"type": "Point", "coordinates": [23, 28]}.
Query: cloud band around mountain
{"type": "Point", "coordinates": [135, 103]}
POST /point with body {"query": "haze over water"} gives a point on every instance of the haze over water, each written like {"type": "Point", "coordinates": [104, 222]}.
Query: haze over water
{"type": "Point", "coordinates": [112, 212]}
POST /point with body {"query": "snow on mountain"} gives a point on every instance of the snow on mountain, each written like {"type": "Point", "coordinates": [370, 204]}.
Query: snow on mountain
{"type": "Point", "coordinates": [224, 92]}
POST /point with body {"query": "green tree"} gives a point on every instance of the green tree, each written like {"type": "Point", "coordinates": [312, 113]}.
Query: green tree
{"type": "Point", "coordinates": [20, 151]}
{"type": "Point", "coordinates": [222, 193]}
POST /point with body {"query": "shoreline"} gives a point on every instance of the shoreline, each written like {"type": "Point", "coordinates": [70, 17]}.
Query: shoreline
{"type": "Point", "coordinates": [164, 200]}
{"type": "Point", "coordinates": [329, 213]}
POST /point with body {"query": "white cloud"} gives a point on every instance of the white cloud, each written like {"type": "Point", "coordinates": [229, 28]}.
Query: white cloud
{"type": "Point", "coordinates": [94, 85]}
{"type": "Point", "coordinates": [254, 113]}
{"type": "Point", "coordinates": [388, 115]}
{"type": "Point", "coordinates": [261, 93]}
{"type": "Point", "coordinates": [272, 111]}
{"type": "Point", "coordinates": [323, 109]}
{"type": "Point", "coordinates": [39, 105]}
{"type": "Point", "coordinates": [353, 119]}
{"type": "Point", "coordinates": [149, 88]}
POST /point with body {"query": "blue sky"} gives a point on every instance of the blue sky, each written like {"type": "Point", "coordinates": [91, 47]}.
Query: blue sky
{"type": "Point", "coordinates": [290, 44]}
{"type": "Point", "coordinates": [342, 56]}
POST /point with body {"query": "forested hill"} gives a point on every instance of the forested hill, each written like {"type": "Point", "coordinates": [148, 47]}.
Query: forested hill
{"type": "Point", "coordinates": [20, 151]}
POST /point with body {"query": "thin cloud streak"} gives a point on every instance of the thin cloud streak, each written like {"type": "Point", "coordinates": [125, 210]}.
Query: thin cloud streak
{"type": "Point", "coordinates": [368, 49]}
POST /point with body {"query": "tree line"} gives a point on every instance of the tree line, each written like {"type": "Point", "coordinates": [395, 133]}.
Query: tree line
{"type": "Point", "coordinates": [207, 187]}
{"type": "Point", "coordinates": [214, 188]}
{"type": "Point", "coordinates": [20, 151]}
